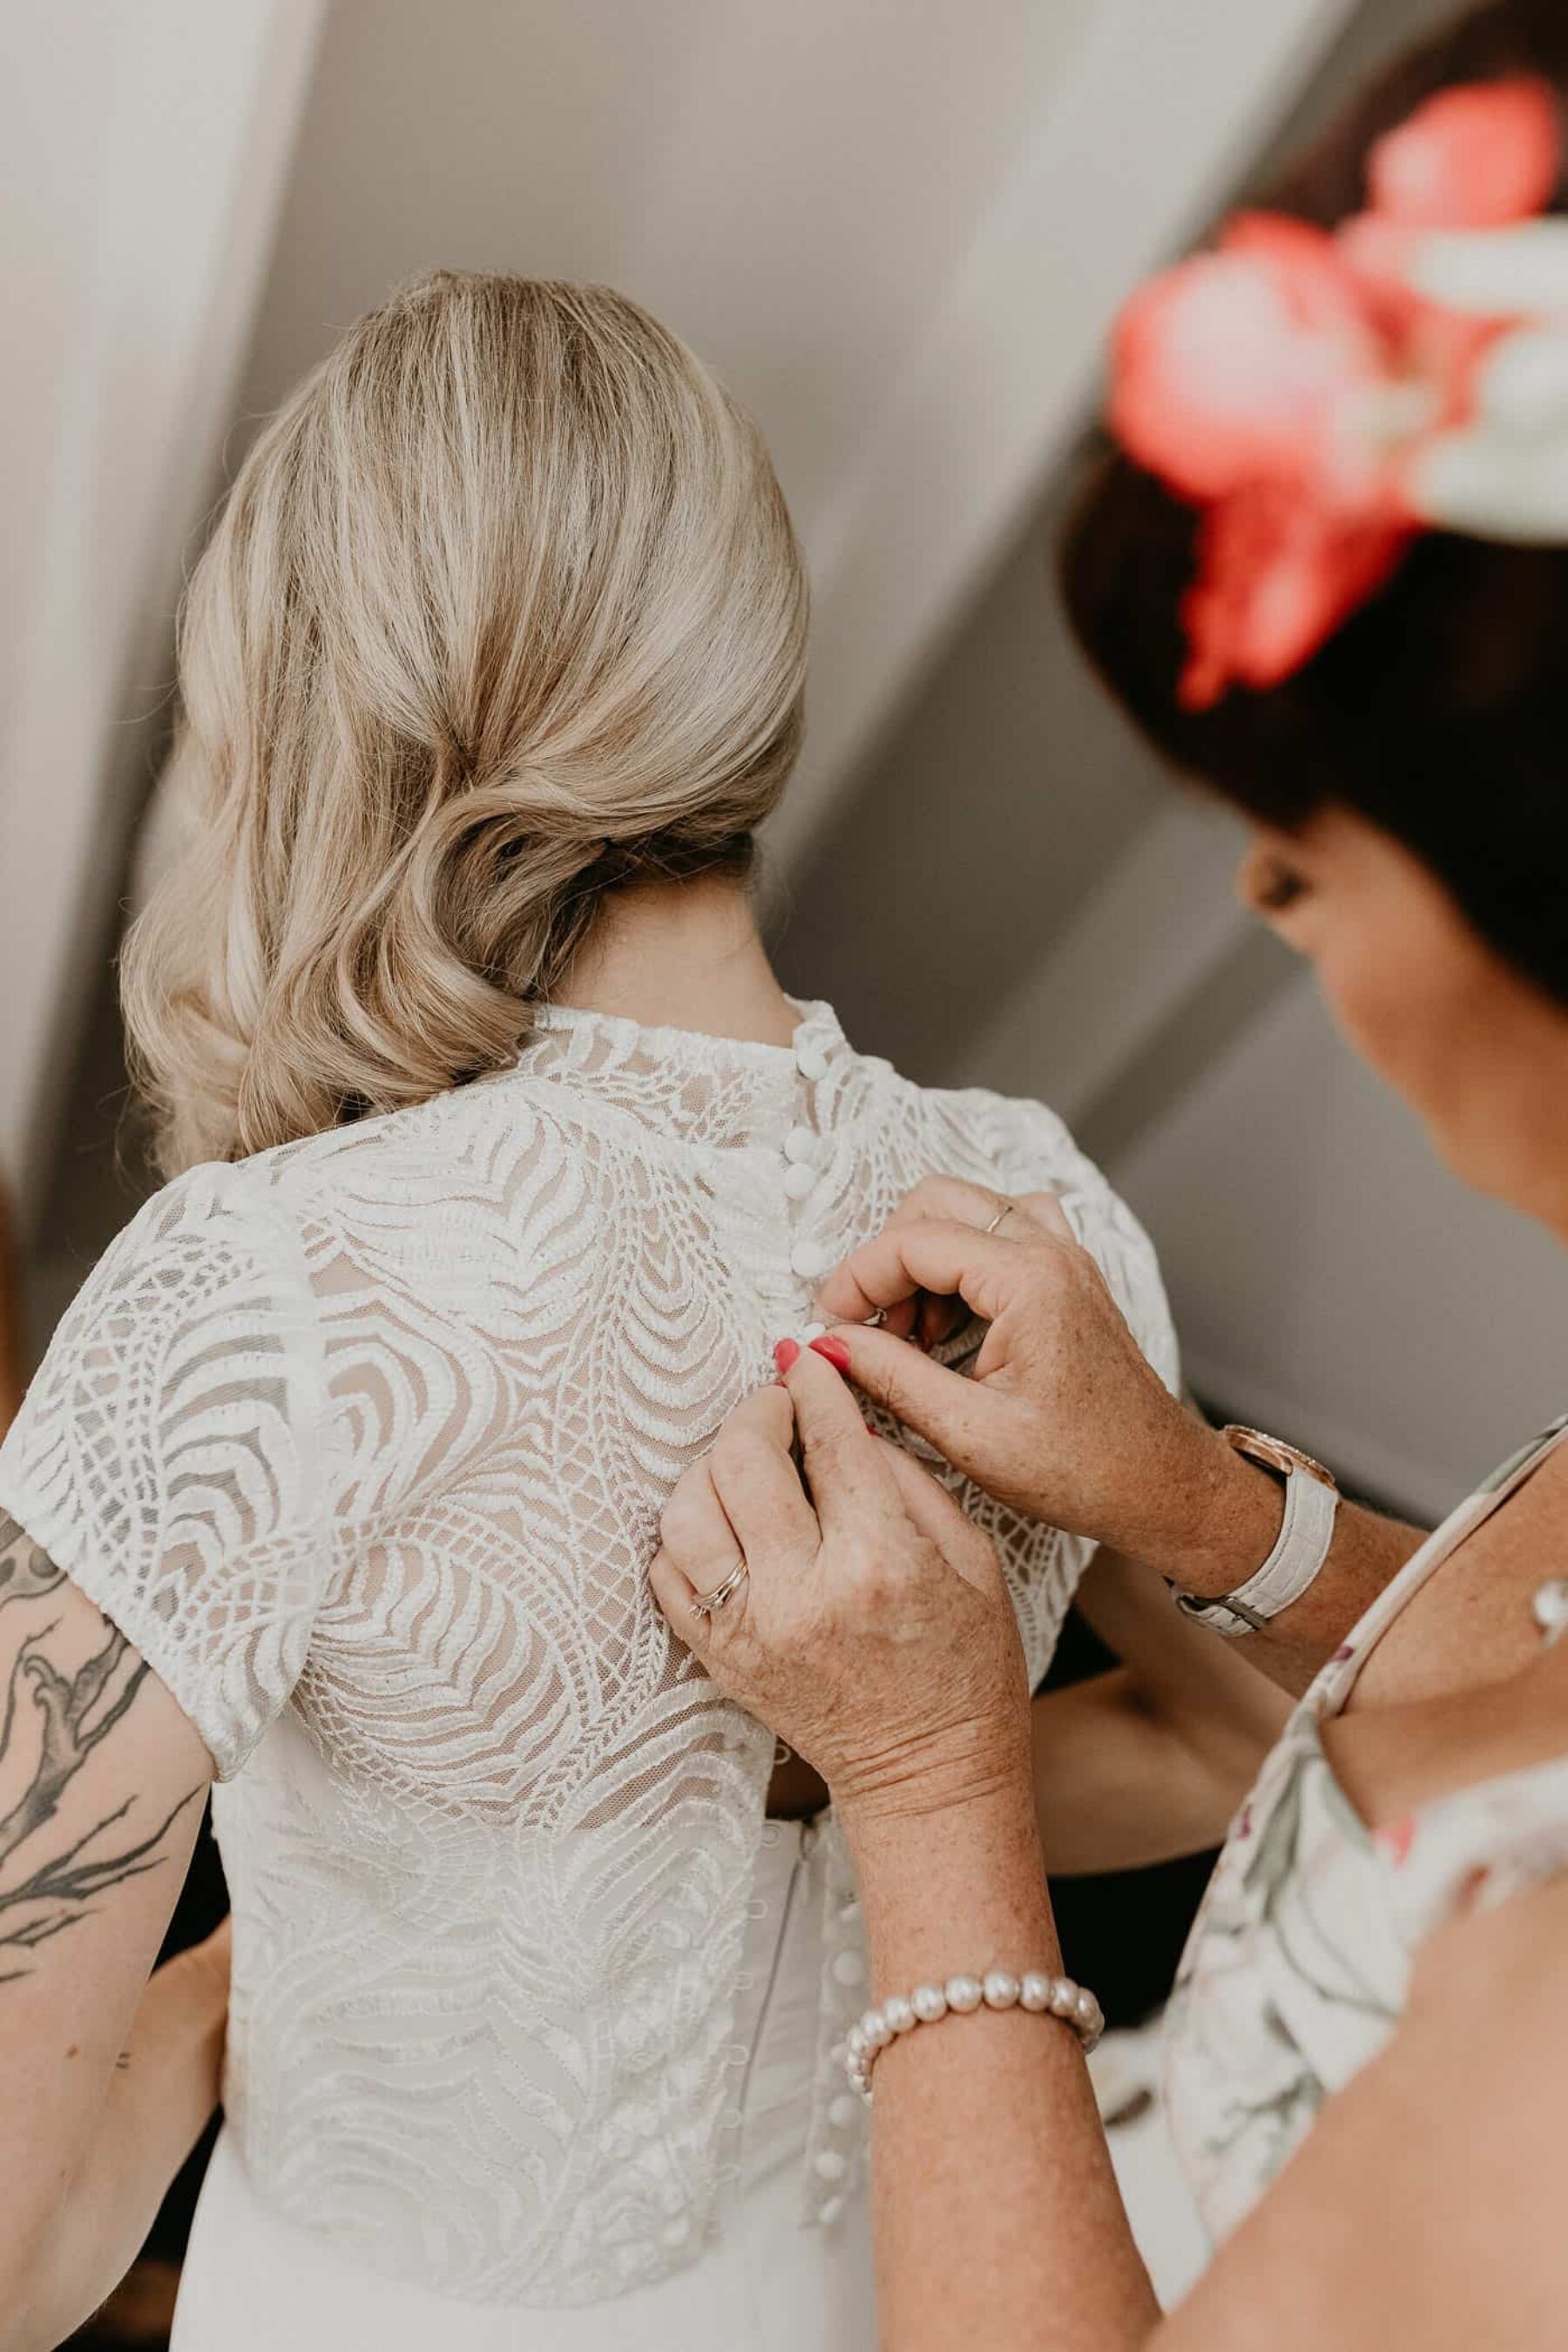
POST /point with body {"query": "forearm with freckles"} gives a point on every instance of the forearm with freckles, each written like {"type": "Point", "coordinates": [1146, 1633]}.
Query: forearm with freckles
{"type": "Point", "coordinates": [997, 2218]}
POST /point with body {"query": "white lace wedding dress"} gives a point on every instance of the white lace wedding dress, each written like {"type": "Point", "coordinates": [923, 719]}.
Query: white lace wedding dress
{"type": "Point", "coordinates": [363, 1443]}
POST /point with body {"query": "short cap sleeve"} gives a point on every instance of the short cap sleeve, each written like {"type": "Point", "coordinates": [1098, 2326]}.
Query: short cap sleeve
{"type": "Point", "coordinates": [169, 1454]}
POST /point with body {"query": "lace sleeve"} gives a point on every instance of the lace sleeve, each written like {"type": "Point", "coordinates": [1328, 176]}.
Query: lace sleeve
{"type": "Point", "coordinates": [169, 1454]}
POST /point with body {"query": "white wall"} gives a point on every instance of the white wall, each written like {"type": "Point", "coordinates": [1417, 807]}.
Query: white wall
{"type": "Point", "coordinates": [141, 154]}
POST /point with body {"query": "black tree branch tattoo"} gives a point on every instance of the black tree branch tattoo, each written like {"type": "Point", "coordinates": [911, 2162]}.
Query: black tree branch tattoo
{"type": "Point", "coordinates": [26, 1569]}
{"type": "Point", "coordinates": [67, 1715]}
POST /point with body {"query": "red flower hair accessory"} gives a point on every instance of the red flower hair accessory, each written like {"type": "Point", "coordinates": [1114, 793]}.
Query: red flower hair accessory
{"type": "Point", "coordinates": [1280, 383]}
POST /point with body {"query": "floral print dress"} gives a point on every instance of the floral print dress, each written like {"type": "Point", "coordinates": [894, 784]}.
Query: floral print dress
{"type": "Point", "coordinates": [1299, 1963]}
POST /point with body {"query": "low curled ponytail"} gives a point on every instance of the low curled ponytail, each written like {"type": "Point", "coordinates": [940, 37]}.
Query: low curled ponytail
{"type": "Point", "coordinates": [503, 612]}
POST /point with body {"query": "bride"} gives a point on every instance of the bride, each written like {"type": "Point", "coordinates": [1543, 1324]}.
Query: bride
{"type": "Point", "coordinates": [499, 1163]}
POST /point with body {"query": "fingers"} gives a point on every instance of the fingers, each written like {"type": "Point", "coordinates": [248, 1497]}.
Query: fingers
{"type": "Point", "coordinates": [936, 1512]}
{"type": "Point", "coordinates": [954, 1200]}
{"type": "Point", "coordinates": [700, 1550]}
{"type": "Point", "coordinates": [756, 1482]}
{"type": "Point", "coordinates": [674, 1592]}
{"type": "Point", "coordinates": [1023, 1218]}
{"type": "Point", "coordinates": [697, 1538]}
{"type": "Point", "coordinates": [947, 1256]}
{"type": "Point", "coordinates": [942, 1406]}
{"type": "Point", "coordinates": [927, 1319]}
{"type": "Point", "coordinates": [942, 1201]}
{"type": "Point", "coordinates": [844, 1464]}
{"type": "Point", "coordinates": [932, 1319]}
{"type": "Point", "coordinates": [743, 1501]}
{"type": "Point", "coordinates": [952, 1197]}
{"type": "Point", "coordinates": [1044, 1209]}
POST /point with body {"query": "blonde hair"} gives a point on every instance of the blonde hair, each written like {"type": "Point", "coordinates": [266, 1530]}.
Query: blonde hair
{"type": "Point", "coordinates": [503, 611]}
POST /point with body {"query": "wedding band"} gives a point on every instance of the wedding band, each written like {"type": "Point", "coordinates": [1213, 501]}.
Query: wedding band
{"type": "Point", "coordinates": [1003, 1214]}
{"type": "Point", "coordinates": [708, 1604]}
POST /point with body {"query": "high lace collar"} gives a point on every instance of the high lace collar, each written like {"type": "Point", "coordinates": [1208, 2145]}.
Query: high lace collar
{"type": "Point", "coordinates": [818, 1030]}
{"type": "Point", "coordinates": [725, 1090]}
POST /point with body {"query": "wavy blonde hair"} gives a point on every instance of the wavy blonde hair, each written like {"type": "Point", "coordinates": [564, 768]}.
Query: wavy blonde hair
{"type": "Point", "coordinates": [502, 612]}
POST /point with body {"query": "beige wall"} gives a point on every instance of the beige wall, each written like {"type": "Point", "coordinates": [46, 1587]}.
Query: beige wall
{"type": "Point", "coordinates": [140, 152]}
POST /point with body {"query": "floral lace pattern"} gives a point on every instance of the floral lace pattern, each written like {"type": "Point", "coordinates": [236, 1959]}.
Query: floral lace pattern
{"type": "Point", "coordinates": [363, 1443]}
{"type": "Point", "coordinates": [1299, 1963]}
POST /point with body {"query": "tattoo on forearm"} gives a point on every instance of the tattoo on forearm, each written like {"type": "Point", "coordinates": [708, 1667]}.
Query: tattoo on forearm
{"type": "Point", "coordinates": [57, 1718]}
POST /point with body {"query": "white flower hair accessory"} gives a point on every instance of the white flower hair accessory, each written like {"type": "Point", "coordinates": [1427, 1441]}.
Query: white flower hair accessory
{"type": "Point", "coordinates": [1503, 474]}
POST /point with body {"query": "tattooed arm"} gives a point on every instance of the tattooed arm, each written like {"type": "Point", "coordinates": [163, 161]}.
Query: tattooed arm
{"type": "Point", "coordinates": [101, 1778]}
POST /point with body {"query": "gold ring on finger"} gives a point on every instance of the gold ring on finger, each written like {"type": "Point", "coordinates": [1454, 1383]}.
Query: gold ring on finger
{"type": "Point", "coordinates": [708, 1604]}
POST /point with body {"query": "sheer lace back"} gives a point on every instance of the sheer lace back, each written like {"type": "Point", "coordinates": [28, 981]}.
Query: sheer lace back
{"type": "Point", "coordinates": [363, 1442]}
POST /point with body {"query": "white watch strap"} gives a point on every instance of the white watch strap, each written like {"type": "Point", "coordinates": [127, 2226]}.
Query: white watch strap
{"type": "Point", "coordinates": [1306, 1532]}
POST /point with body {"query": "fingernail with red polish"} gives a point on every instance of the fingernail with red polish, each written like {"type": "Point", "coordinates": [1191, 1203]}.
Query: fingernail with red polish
{"type": "Point", "coordinates": [834, 1352]}
{"type": "Point", "coordinates": [872, 1430]}
{"type": "Point", "coordinates": [785, 1353]}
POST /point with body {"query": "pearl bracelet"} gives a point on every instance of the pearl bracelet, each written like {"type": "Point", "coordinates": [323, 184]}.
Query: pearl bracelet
{"type": "Point", "coordinates": [961, 1996]}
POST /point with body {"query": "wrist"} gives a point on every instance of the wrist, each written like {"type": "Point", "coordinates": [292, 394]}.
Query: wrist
{"type": "Point", "coordinates": [1230, 1520]}
{"type": "Point", "coordinates": [883, 1836]}
{"type": "Point", "coordinates": [969, 1772]}
{"type": "Point", "coordinates": [959, 1889]}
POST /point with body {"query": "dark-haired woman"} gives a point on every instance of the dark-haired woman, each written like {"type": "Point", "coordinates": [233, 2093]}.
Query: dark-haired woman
{"type": "Point", "coordinates": [1371, 2032]}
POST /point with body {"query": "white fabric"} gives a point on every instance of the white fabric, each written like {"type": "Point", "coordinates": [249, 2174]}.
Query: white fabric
{"type": "Point", "coordinates": [1299, 1964]}
{"type": "Point", "coordinates": [363, 1442]}
{"type": "Point", "coordinates": [254, 2283]}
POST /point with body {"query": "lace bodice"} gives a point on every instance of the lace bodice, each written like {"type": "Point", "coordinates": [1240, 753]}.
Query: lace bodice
{"type": "Point", "coordinates": [363, 1443]}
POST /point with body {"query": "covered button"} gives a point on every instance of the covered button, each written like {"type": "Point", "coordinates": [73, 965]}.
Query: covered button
{"type": "Point", "coordinates": [810, 1261]}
